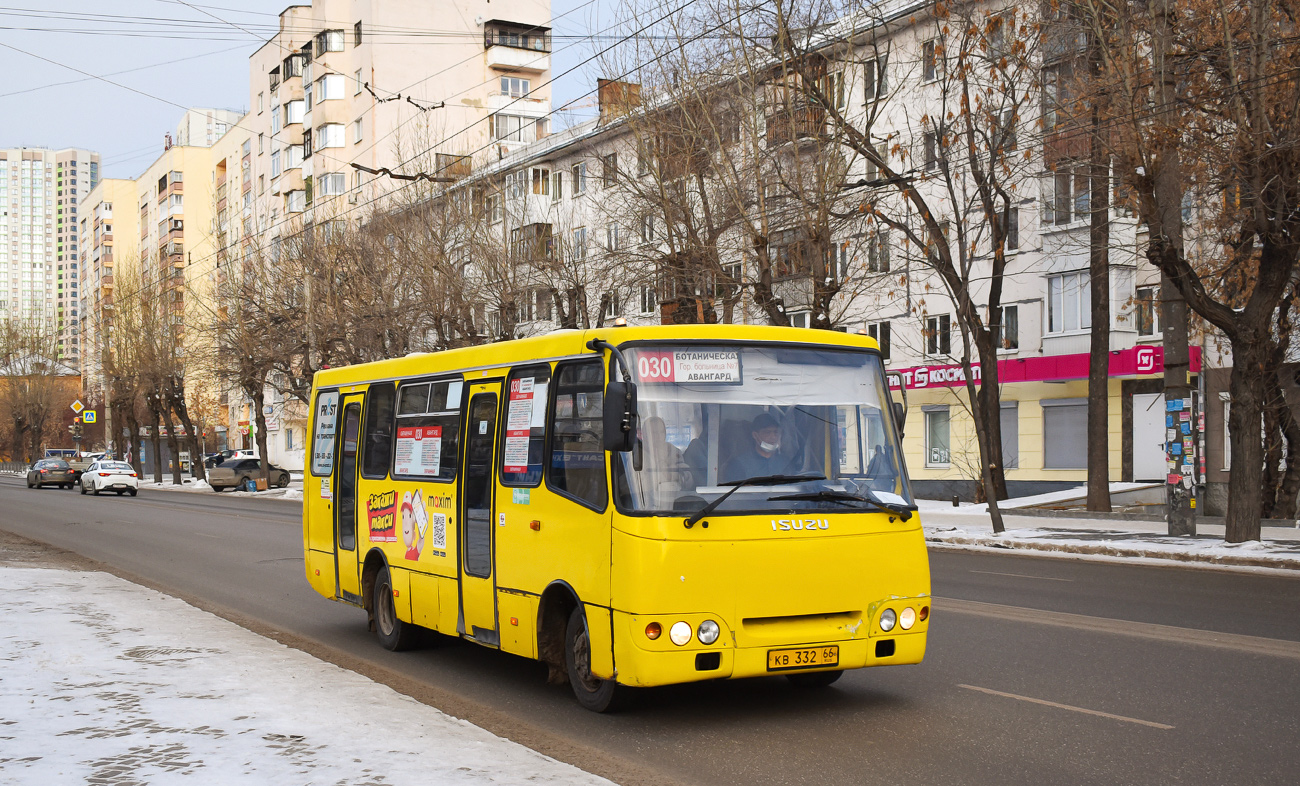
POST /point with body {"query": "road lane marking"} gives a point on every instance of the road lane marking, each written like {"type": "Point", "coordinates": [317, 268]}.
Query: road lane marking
{"type": "Point", "coordinates": [1019, 575]}
{"type": "Point", "coordinates": [1258, 645]}
{"type": "Point", "coordinates": [1069, 707]}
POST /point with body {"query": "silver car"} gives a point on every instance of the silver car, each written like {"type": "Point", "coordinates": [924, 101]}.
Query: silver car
{"type": "Point", "coordinates": [236, 472]}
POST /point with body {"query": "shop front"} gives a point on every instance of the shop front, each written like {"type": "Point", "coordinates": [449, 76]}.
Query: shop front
{"type": "Point", "coordinates": [1044, 408]}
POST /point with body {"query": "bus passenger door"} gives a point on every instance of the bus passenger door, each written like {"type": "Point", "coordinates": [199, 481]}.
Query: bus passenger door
{"type": "Point", "coordinates": [346, 567]}
{"type": "Point", "coordinates": [478, 608]}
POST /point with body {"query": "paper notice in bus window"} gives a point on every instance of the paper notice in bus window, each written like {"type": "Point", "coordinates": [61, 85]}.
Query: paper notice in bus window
{"type": "Point", "coordinates": [419, 451]}
{"type": "Point", "coordinates": [519, 419]}
{"type": "Point", "coordinates": [689, 366]}
{"type": "Point", "coordinates": [327, 417]}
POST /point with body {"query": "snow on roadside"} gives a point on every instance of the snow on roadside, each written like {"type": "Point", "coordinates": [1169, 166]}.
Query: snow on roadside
{"type": "Point", "coordinates": [104, 677]}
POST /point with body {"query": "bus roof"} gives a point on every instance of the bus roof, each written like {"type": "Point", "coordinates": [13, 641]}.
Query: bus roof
{"type": "Point", "coordinates": [568, 343]}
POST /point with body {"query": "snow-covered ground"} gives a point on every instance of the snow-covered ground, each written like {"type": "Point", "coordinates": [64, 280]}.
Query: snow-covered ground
{"type": "Point", "coordinates": [107, 682]}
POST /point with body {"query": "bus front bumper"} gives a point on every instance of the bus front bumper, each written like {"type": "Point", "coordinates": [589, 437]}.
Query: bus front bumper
{"type": "Point", "coordinates": [640, 667]}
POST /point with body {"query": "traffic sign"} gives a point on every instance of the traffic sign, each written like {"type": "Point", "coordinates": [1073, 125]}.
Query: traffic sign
{"type": "Point", "coordinates": [77, 406]}
{"type": "Point", "coordinates": [88, 416]}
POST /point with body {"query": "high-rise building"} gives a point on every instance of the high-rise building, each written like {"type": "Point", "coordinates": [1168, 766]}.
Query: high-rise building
{"type": "Point", "coordinates": [39, 193]}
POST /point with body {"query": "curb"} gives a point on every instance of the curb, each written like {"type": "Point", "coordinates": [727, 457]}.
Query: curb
{"type": "Point", "coordinates": [1226, 560]}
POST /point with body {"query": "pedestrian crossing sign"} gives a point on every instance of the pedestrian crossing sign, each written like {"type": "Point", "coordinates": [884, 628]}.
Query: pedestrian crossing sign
{"type": "Point", "coordinates": [88, 416]}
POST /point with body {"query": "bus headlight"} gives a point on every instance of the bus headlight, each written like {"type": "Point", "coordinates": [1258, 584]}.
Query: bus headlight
{"type": "Point", "coordinates": [908, 618]}
{"type": "Point", "coordinates": [887, 620]}
{"type": "Point", "coordinates": [680, 633]}
{"type": "Point", "coordinates": [708, 632]}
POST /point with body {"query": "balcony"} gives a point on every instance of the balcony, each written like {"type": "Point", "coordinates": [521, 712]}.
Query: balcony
{"type": "Point", "coordinates": [525, 61]}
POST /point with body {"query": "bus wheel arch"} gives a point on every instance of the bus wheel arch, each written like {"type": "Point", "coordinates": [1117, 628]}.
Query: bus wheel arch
{"type": "Point", "coordinates": [375, 562]}
{"type": "Point", "coordinates": [553, 612]}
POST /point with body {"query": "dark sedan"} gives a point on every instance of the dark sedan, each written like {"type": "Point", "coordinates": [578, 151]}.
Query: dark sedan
{"type": "Point", "coordinates": [236, 473]}
{"type": "Point", "coordinates": [51, 472]}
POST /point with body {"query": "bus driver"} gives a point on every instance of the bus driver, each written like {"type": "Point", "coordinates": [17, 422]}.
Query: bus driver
{"type": "Point", "coordinates": [763, 457]}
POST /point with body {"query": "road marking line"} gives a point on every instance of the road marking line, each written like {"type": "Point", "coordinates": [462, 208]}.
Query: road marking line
{"type": "Point", "coordinates": [1258, 645]}
{"type": "Point", "coordinates": [1046, 703]}
{"type": "Point", "coordinates": [1019, 575]}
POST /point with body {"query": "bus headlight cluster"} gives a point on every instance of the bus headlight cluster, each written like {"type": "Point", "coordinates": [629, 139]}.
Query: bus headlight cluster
{"type": "Point", "coordinates": [887, 620]}
{"type": "Point", "coordinates": [680, 633]}
{"type": "Point", "coordinates": [708, 632]}
{"type": "Point", "coordinates": [907, 619]}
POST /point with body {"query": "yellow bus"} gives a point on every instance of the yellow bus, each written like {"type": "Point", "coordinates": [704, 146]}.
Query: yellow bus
{"type": "Point", "coordinates": [633, 506]}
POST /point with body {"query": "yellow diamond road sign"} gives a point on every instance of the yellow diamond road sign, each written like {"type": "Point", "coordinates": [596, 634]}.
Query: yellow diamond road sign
{"type": "Point", "coordinates": [77, 406]}
{"type": "Point", "coordinates": [88, 416]}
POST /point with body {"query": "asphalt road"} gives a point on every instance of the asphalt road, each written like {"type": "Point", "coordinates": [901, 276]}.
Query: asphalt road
{"type": "Point", "coordinates": [1038, 671]}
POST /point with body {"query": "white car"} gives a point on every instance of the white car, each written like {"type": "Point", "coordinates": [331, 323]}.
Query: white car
{"type": "Point", "coordinates": [116, 476]}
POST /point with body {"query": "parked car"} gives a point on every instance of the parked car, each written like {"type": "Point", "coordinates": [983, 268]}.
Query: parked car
{"type": "Point", "coordinates": [109, 475]}
{"type": "Point", "coordinates": [51, 472]}
{"type": "Point", "coordinates": [217, 459]}
{"type": "Point", "coordinates": [234, 473]}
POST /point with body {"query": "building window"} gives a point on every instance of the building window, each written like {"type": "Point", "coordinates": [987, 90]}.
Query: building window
{"type": "Point", "coordinates": [356, 34]}
{"type": "Point", "coordinates": [931, 142]}
{"type": "Point", "coordinates": [356, 90]}
{"type": "Point", "coordinates": [357, 131]}
{"type": "Point", "coordinates": [513, 128]}
{"type": "Point", "coordinates": [880, 332]}
{"type": "Point", "coordinates": [293, 112]}
{"type": "Point", "coordinates": [541, 181]}
{"type": "Point", "coordinates": [1010, 420]}
{"type": "Point", "coordinates": [938, 335]}
{"type": "Point", "coordinates": [1066, 194]}
{"type": "Point", "coordinates": [611, 237]}
{"type": "Point", "coordinates": [878, 253]}
{"type": "Point", "coordinates": [1010, 229]}
{"type": "Point", "coordinates": [1146, 311]}
{"type": "Point", "coordinates": [609, 169]}
{"type": "Point", "coordinates": [515, 87]}
{"type": "Point", "coordinates": [329, 88]}
{"type": "Point", "coordinates": [877, 79]}
{"type": "Point", "coordinates": [331, 184]}
{"type": "Point", "coordinates": [579, 172]}
{"type": "Point", "coordinates": [1068, 302]}
{"type": "Point", "coordinates": [1065, 433]}
{"type": "Point", "coordinates": [931, 60]}
{"type": "Point", "coordinates": [329, 135]}
{"type": "Point", "coordinates": [259, 102]}
{"type": "Point", "coordinates": [275, 164]}
{"type": "Point", "coordinates": [1007, 334]}
{"type": "Point", "coordinates": [649, 300]}
{"type": "Point", "coordinates": [295, 201]}
{"type": "Point", "coordinates": [648, 228]}
{"type": "Point", "coordinates": [937, 438]}
{"type": "Point", "coordinates": [493, 208]}
{"type": "Point", "coordinates": [557, 186]}
{"type": "Point", "coordinates": [328, 41]}
{"type": "Point", "coordinates": [580, 243]}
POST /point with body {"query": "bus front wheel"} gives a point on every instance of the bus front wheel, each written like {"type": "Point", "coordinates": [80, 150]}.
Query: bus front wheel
{"type": "Point", "coordinates": [592, 692]}
{"type": "Point", "coordinates": [394, 634]}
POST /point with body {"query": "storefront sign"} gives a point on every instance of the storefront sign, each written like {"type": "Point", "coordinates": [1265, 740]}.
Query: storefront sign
{"type": "Point", "coordinates": [1132, 362]}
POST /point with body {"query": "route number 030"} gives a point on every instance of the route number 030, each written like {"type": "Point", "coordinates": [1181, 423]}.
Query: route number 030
{"type": "Point", "coordinates": [655, 367]}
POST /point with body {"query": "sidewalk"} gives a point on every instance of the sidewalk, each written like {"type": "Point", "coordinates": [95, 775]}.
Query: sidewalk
{"type": "Point", "coordinates": [970, 528]}
{"type": "Point", "coordinates": [106, 682]}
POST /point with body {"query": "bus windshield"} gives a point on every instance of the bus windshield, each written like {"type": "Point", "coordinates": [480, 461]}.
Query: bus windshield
{"type": "Point", "coordinates": [713, 416]}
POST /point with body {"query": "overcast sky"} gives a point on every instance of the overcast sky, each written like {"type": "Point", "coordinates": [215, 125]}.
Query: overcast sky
{"type": "Point", "coordinates": [175, 55]}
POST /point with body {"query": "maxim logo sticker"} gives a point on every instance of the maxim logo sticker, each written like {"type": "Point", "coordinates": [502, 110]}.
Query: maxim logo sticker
{"type": "Point", "coordinates": [797, 525]}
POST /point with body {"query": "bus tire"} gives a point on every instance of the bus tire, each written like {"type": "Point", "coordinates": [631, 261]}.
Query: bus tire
{"type": "Point", "coordinates": [814, 679]}
{"type": "Point", "coordinates": [394, 634]}
{"type": "Point", "coordinates": [592, 692]}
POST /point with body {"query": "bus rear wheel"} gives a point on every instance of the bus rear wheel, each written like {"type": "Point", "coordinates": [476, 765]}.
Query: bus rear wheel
{"type": "Point", "coordinates": [592, 692]}
{"type": "Point", "coordinates": [814, 679]}
{"type": "Point", "coordinates": [394, 634]}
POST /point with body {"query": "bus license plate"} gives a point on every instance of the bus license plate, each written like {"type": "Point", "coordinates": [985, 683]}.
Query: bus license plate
{"type": "Point", "coordinates": [811, 657]}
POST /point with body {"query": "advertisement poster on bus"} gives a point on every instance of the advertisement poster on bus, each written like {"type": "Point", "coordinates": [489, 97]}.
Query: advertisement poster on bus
{"type": "Point", "coordinates": [419, 451]}
{"type": "Point", "coordinates": [519, 420]}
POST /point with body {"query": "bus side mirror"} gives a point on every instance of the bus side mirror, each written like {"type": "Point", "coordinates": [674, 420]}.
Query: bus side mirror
{"type": "Point", "coordinates": [620, 416]}
{"type": "Point", "coordinates": [900, 416]}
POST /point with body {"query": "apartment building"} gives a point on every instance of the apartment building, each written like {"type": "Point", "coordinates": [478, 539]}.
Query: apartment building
{"type": "Point", "coordinates": [560, 200]}
{"type": "Point", "coordinates": [109, 231]}
{"type": "Point", "coordinates": [39, 194]}
{"type": "Point", "coordinates": [203, 127]}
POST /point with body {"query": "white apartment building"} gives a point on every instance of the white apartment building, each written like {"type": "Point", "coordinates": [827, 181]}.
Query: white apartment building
{"type": "Point", "coordinates": [203, 127]}
{"type": "Point", "coordinates": [39, 194]}
{"type": "Point", "coordinates": [560, 194]}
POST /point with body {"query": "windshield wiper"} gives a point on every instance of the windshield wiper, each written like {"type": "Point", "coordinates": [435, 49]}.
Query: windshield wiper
{"type": "Point", "coordinates": [758, 480]}
{"type": "Point", "coordinates": [830, 495]}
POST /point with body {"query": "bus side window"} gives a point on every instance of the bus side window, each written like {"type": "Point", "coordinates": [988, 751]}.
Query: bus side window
{"type": "Point", "coordinates": [524, 426]}
{"type": "Point", "coordinates": [378, 445]}
{"type": "Point", "coordinates": [576, 465]}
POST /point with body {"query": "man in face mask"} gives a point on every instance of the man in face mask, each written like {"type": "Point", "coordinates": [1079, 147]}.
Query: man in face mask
{"type": "Point", "coordinates": [763, 458]}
